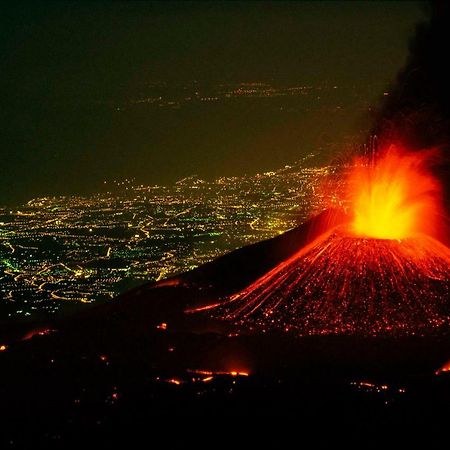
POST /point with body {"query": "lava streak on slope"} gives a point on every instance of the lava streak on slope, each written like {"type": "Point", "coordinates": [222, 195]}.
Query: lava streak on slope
{"type": "Point", "coordinates": [351, 285]}
{"type": "Point", "coordinates": [382, 274]}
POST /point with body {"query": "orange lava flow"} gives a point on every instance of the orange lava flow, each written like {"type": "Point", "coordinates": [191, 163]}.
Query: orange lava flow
{"type": "Point", "coordinates": [395, 198]}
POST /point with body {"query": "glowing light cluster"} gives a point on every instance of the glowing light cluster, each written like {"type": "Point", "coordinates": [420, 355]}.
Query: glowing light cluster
{"type": "Point", "coordinates": [396, 197]}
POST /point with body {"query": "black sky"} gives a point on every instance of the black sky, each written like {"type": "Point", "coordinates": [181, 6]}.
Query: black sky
{"type": "Point", "coordinates": [65, 65]}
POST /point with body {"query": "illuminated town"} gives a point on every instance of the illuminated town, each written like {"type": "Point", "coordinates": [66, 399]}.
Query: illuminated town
{"type": "Point", "coordinates": [56, 250]}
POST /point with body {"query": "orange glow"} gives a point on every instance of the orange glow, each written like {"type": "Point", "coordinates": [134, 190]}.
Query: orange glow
{"type": "Point", "coordinates": [233, 373]}
{"type": "Point", "coordinates": [37, 332]}
{"type": "Point", "coordinates": [241, 374]}
{"type": "Point", "coordinates": [3, 348]}
{"type": "Point", "coordinates": [162, 326]}
{"type": "Point", "coordinates": [395, 198]}
{"type": "Point", "coordinates": [201, 372]}
{"type": "Point", "coordinates": [444, 368]}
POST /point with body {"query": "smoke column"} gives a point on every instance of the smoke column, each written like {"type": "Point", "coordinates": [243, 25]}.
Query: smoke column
{"type": "Point", "coordinates": [417, 110]}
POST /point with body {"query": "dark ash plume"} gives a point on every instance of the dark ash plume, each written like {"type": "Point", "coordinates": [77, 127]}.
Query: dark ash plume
{"type": "Point", "coordinates": [417, 110]}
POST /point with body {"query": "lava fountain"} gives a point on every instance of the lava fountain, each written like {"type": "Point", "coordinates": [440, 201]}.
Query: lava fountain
{"type": "Point", "coordinates": [383, 273]}
{"type": "Point", "coordinates": [395, 198]}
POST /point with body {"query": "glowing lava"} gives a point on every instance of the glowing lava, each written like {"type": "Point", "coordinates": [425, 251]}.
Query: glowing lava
{"type": "Point", "coordinates": [343, 284]}
{"type": "Point", "coordinates": [396, 197]}
{"type": "Point", "coordinates": [382, 274]}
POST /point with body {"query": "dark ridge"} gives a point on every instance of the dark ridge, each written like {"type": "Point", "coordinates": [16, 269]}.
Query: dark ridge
{"type": "Point", "coordinates": [237, 269]}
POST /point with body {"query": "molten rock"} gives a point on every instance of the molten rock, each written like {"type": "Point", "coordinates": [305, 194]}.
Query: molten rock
{"type": "Point", "coordinates": [344, 284]}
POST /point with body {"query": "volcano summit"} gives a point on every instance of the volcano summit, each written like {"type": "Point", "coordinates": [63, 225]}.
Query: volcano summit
{"type": "Point", "coordinates": [381, 274]}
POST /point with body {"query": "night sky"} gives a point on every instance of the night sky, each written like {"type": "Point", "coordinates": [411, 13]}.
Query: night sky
{"type": "Point", "coordinates": [69, 71]}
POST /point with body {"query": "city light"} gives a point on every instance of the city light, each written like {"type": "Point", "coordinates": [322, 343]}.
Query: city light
{"type": "Point", "coordinates": [57, 251]}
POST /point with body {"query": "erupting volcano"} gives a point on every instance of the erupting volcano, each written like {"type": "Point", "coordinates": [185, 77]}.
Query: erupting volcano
{"type": "Point", "coordinates": [384, 272]}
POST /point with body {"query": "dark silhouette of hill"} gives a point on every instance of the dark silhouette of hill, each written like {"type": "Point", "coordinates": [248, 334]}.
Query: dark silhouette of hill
{"type": "Point", "coordinates": [141, 363]}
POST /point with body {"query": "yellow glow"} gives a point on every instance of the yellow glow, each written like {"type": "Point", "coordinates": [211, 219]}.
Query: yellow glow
{"type": "Point", "coordinates": [393, 199]}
